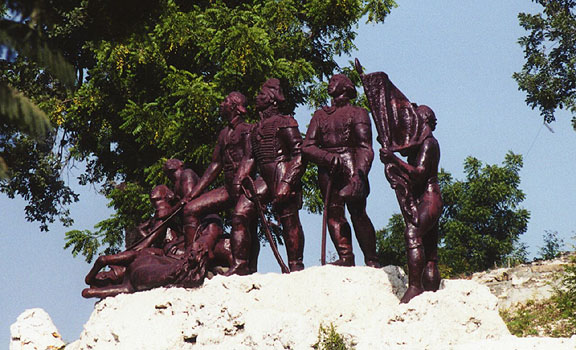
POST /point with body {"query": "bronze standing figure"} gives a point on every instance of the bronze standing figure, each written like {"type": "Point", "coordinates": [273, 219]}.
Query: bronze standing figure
{"type": "Point", "coordinates": [227, 156]}
{"type": "Point", "coordinates": [275, 148]}
{"type": "Point", "coordinates": [339, 140]}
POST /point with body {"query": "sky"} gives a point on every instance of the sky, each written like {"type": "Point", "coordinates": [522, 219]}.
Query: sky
{"type": "Point", "coordinates": [455, 56]}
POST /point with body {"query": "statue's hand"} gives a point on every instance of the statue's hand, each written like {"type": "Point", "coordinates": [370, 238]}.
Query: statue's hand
{"type": "Point", "coordinates": [282, 192]}
{"type": "Point", "coordinates": [386, 155]}
{"type": "Point", "coordinates": [335, 163]}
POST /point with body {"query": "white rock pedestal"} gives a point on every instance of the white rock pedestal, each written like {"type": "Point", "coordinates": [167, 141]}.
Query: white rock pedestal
{"type": "Point", "coordinates": [34, 330]}
{"type": "Point", "coordinates": [273, 311]}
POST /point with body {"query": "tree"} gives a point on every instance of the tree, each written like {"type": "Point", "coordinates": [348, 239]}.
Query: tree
{"type": "Point", "coordinates": [152, 84]}
{"type": "Point", "coordinates": [390, 244]}
{"type": "Point", "coordinates": [552, 246]}
{"type": "Point", "coordinates": [549, 75]}
{"type": "Point", "coordinates": [482, 220]}
{"type": "Point", "coordinates": [481, 223]}
{"type": "Point", "coordinates": [28, 165]}
{"type": "Point", "coordinates": [20, 35]}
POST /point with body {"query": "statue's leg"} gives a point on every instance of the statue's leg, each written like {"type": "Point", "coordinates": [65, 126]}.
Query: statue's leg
{"type": "Point", "coordinates": [341, 234]}
{"type": "Point", "coordinates": [293, 234]}
{"type": "Point", "coordinates": [430, 209]}
{"type": "Point", "coordinates": [208, 203]}
{"type": "Point", "coordinates": [416, 262]}
{"type": "Point", "coordinates": [103, 292]}
{"type": "Point", "coordinates": [364, 230]}
{"type": "Point", "coordinates": [338, 226]}
{"type": "Point", "coordinates": [243, 235]}
{"type": "Point", "coordinates": [431, 275]}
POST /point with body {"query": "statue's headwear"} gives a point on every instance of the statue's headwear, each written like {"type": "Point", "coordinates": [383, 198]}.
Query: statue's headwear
{"type": "Point", "coordinates": [172, 164]}
{"type": "Point", "coordinates": [273, 86]}
{"type": "Point", "coordinates": [346, 83]}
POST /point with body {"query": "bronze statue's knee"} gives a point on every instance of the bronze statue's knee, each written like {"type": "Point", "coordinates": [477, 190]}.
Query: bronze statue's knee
{"type": "Point", "coordinates": [239, 220]}
{"type": "Point", "coordinates": [336, 211]}
{"type": "Point", "coordinates": [414, 242]}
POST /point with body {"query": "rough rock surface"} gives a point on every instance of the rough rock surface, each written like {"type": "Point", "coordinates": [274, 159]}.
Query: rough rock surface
{"type": "Point", "coordinates": [34, 330]}
{"type": "Point", "coordinates": [517, 285]}
{"type": "Point", "coordinates": [273, 311]}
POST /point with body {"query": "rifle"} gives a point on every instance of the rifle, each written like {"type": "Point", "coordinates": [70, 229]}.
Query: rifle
{"type": "Point", "coordinates": [251, 193]}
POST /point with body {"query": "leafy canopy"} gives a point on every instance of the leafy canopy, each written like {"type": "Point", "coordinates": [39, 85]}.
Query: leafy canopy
{"type": "Point", "coordinates": [549, 74]}
{"type": "Point", "coordinates": [21, 35]}
{"type": "Point", "coordinates": [153, 74]}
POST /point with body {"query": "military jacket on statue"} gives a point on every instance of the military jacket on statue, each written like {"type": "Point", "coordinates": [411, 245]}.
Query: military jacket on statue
{"type": "Point", "coordinates": [345, 131]}
{"type": "Point", "coordinates": [277, 147]}
{"type": "Point", "coordinates": [231, 146]}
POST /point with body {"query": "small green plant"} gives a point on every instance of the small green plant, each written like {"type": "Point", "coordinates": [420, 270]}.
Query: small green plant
{"type": "Point", "coordinates": [329, 339]}
{"type": "Point", "coordinates": [552, 246]}
{"type": "Point", "coordinates": [555, 317]}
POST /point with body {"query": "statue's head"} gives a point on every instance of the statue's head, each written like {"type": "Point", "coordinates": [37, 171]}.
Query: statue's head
{"type": "Point", "coordinates": [171, 166]}
{"type": "Point", "coordinates": [234, 104]}
{"type": "Point", "coordinates": [161, 192]}
{"type": "Point", "coordinates": [341, 86]}
{"type": "Point", "coordinates": [427, 114]}
{"type": "Point", "coordinates": [270, 94]}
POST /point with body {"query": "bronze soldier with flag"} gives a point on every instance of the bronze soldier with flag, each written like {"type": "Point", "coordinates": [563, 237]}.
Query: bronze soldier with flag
{"type": "Point", "coordinates": [407, 128]}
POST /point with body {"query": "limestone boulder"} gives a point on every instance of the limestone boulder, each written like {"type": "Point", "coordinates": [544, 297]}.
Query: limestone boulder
{"type": "Point", "coordinates": [34, 330]}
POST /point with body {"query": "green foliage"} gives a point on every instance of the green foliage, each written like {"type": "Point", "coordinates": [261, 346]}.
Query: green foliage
{"type": "Point", "coordinates": [151, 90]}
{"type": "Point", "coordinates": [22, 36]}
{"type": "Point", "coordinates": [519, 255]}
{"type": "Point", "coordinates": [312, 197]}
{"type": "Point", "coordinates": [552, 246]}
{"type": "Point", "coordinates": [329, 339]}
{"type": "Point", "coordinates": [38, 171]}
{"type": "Point", "coordinates": [390, 243]}
{"type": "Point", "coordinates": [549, 74]}
{"type": "Point", "coordinates": [481, 221]}
{"type": "Point", "coordinates": [538, 318]}
{"type": "Point", "coordinates": [566, 294]}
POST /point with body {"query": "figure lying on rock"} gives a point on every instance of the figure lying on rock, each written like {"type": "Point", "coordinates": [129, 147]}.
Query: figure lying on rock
{"type": "Point", "coordinates": [156, 261]}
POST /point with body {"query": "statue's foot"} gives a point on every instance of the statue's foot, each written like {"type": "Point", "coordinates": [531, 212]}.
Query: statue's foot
{"type": "Point", "coordinates": [240, 269]}
{"type": "Point", "coordinates": [220, 270]}
{"type": "Point", "coordinates": [87, 293]}
{"type": "Point", "coordinates": [345, 261]}
{"type": "Point", "coordinates": [373, 263]}
{"type": "Point", "coordinates": [296, 266]}
{"type": "Point", "coordinates": [411, 292]}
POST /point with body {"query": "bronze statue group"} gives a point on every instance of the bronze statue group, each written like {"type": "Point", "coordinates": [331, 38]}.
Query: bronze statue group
{"type": "Point", "coordinates": [263, 164]}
